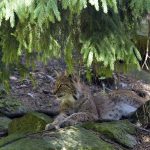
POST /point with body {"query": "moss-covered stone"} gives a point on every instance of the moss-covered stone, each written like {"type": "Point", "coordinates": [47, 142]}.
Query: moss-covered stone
{"type": "Point", "coordinates": [72, 138]}
{"type": "Point", "coordinates": [140, 75]}
{"type": "Point", "coordinates": [4, 121]}
{"type": "Point", "coordinates": [9, 102]}
{"type": "Point", "coordinates": [31, 122]}
{"type": "Point", "coordinates": [23, 142]}
{"type": "Point", "coordinates": [12, 107]}
{"type": "Point", "coordinates": [119, 131]}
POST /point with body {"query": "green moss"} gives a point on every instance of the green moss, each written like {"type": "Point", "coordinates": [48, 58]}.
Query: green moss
{"type": "Point", "coordinates": [10, 138]}
{"type": "Point", "coordinates": [119, 131]}
{"type": "Point", "coordinates": [31, 122]}
{"type": "Point", "coordinates": [140, 75]}
{"type": "Point", "coordinates": [72, 138]}
{"type": "Point", "coordinates": [11, 106]}
{"type": "Point", "coordinates": [9, 102]}
{"type": "Point", "coordinates": [4, 121]}
{"type": "Point", "coordinates": [23, 142]}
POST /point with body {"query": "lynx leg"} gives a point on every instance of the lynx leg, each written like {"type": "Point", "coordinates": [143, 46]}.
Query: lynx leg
{"type": "Point", "coordinates": [78, 118]}
{"type": "Point", "coordinates": [56, 123]}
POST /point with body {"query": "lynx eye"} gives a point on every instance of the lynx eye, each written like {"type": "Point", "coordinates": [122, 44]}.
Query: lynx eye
{"type": "Point", "coordinates": [74, 96]}
{"type": "Point", "coordinates": [60, 95]}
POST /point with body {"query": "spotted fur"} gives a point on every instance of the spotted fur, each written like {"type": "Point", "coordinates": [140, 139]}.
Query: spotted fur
{"type": "Point", "coordinates": [87, 107]}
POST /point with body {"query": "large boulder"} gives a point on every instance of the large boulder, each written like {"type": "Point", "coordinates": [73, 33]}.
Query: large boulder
{"type": "Point", "coordinates": [72, 138]}
{"type": "Point", "coordinates": [18, 106]}
{"type": "Point", "coordinates": [121, 132]}
{"type": "Point", "coordinates": [27, 133]}
{"type": "Point", "coordinates": [31, 122]}
{"type": "Point", "coordinates": [116, 135]}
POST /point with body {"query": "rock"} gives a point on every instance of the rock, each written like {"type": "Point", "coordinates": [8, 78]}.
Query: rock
{"type": "Point", "coordinates": [12, 107]}
{"type": "Point", "coordinates": [23, 135]}
{"type": "Point", "coordinates": [119, 131]}
{"type": "Point", "coordinates": [31, 122]}
{"type": "Point", "coordinates": [15, 107]}
{"type": "Point", "coordinates": [4, 121]}
{"type": "Point", "coordinates": [140, 75]}
{"type": "Point", "coordinates": [72, 138]}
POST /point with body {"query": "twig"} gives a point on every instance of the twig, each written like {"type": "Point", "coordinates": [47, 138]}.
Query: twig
{"type": "Point", "coordinates": [147, 48]}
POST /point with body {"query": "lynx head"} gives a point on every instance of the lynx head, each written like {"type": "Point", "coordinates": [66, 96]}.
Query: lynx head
{"type": "Point", "coordinates": [69, 84]}
{"type": "Point", "coordinates": [65, 90]}
{"type": "Point", "coordinates": [63, 85]}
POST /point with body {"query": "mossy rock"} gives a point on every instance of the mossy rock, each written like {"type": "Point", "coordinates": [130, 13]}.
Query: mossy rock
{"type": "Point", "coordinates": [4, 121]}
{"type": "Point", "coordinates": [23, 142]}
{"type": "Point", "coordinates": [118, 131]}
{"type": "Point", "coordinates": [71, 138]}
{"type": "Point", "coordinates": [31, 122]}
{"type": "Point", "coordinates": [12, 107]}
{"type": "Point", "coordinates": [140, 75]}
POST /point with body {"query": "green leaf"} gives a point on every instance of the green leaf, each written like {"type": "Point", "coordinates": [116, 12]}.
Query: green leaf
{"type": "Point", "coordinates": [104, 6]}
{"type": "Point", "coordinates": [53, 5]}
{"type": "Point", "coordinates": [95, 3]}
{"type": "Point", "coordinates": [90, 59]}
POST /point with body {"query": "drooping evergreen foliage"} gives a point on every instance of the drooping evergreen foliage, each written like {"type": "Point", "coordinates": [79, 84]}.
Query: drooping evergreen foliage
{"type": "Point", "coordinates": [101, 30]}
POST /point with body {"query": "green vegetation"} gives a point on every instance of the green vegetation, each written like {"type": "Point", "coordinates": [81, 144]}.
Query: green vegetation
{"type": "Point", "coordinates": [91, 136]}
{"type": "Point", "coordinates": [120, 131]}
{"type": "Point", "coordinates": [102, 31]}
{"type": "Point", "coordinates": [71, 138]}
{"type": "Point", "coordinates": [31, 122]}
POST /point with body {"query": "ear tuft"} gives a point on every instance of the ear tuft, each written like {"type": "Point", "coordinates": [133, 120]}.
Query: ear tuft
{"type": "Point", "coordinates": [58, 74]}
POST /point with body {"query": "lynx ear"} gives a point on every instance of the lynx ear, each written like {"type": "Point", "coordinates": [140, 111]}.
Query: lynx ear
{"type": "Point", "coordinates": [75, 78]}
{"type": "Point", "coordinates": [65, 73]}
{"type": "Point", "coordinates": [58, 73]}
{"type": "Point", "coordinates": [77, 83]}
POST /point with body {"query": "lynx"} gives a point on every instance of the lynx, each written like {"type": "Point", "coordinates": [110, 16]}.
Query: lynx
{"type": "Point", "coordinates": [83, 106]}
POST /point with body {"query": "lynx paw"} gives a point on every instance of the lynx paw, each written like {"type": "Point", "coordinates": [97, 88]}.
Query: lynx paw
{"type": "Point", "coordinates": [50, 127]}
